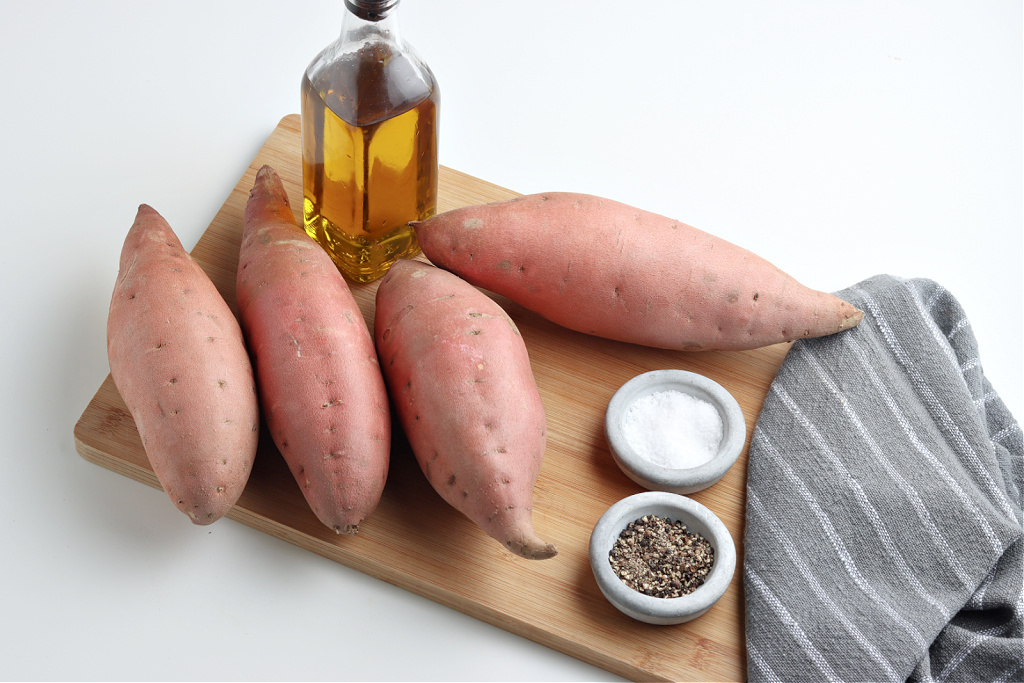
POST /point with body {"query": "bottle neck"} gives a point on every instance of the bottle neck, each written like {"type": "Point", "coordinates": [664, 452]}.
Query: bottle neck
{"type": "Point", "coordinates": [371, 20]}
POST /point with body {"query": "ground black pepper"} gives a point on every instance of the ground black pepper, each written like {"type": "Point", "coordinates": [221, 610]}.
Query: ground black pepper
{"type": "Point", "coordinates": [659, 557]}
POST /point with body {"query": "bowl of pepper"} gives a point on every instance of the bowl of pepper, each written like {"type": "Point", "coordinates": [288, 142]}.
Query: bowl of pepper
{"type": "Point", "coordinates": [662, 558]}
{"type": "Point", "coordinates": [674, 430]}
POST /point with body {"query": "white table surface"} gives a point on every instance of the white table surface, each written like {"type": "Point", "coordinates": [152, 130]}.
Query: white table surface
{"type": "Point", "coordinates": [839, 140]}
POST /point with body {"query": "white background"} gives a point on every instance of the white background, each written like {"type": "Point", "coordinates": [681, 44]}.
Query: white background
{"type": "Point", "coordinates": [837, 139]}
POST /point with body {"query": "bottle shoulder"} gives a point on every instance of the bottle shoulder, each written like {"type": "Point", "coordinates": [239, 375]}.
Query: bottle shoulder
{"type": "Point", "coordinates": [370, 81]}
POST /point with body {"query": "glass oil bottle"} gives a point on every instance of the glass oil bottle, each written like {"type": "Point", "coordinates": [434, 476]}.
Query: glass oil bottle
{"type": "Point", "coordinates": [369, 143]}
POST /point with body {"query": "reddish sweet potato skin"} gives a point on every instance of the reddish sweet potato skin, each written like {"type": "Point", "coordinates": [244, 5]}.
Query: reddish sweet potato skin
{"type": "Point", "coordinates": [321, 389]}
{"type": "Point", "coordinates": [601, 267]}
{"type": "Point", "coordinates": [461, 384]}
{"type": "Point", "coordinates": [179, 361]}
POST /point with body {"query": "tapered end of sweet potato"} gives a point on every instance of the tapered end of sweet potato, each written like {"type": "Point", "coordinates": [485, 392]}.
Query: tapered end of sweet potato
{"type": "Point", "coordinates": [535, 550]}
{"type": "Point", "coordinates": [851, 316]}
{"type": "Point", "coordinates": [843, 316]}
{"type": "Point", "coordinates": [823, 314]}
{"type": "Point", "coordinates": [273, 205]}
{"type": "Point", "coordinates": [525, 543]}
{"type": "Point", "coordinates": [207, 500]}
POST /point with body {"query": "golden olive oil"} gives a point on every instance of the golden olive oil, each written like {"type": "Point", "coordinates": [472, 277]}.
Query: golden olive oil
{"type": "Point", "coordinates": [369, 158]}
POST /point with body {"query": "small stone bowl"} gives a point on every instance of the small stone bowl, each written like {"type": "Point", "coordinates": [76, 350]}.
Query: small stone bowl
{"type": "Point", "coordinates": [657, 477]}
{"type": "Point", "coordinates": [698, 519]}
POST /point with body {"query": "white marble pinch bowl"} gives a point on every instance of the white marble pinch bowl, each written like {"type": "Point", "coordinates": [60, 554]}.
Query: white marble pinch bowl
{"type": "Point", "coordinates": [658, 477]}
{"type": "Point", "coordinates": [698, 519]}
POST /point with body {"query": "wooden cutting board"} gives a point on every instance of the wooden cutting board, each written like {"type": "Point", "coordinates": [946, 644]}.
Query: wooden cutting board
{"type": "Point", "coordinates": [415, 541]}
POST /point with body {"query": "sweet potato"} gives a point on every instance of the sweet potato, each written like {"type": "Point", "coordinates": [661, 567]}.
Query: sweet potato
{"type": "Point", "coordinates": [319, 382]}
{"type": "Point", "coordinates": [604, 268]}
{"type": "Point", "coordinates": [460, 380]}
{"type": "Point", "coordinates": [178, 359]}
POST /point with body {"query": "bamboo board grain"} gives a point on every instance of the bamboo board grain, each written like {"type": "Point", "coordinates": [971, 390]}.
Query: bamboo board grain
{"type": "Point", "coordinates": [415, 541]}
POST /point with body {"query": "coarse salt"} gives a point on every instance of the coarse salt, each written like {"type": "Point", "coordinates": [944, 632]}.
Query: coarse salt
{"type": "Point", "coordinates": [673, 429]}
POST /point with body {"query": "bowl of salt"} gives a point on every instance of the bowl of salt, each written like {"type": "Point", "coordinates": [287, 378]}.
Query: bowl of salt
{"type": "Point", "coordinates": [674, 430]}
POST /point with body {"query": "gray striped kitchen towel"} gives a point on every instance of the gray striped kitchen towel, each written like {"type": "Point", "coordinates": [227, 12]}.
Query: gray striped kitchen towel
{"type": "Point", "coordinates": [884, 533]}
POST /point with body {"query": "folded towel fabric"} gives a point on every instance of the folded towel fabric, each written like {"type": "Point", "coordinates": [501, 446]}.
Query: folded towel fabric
{"type": "Point", "coordinates": [884, 536]}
